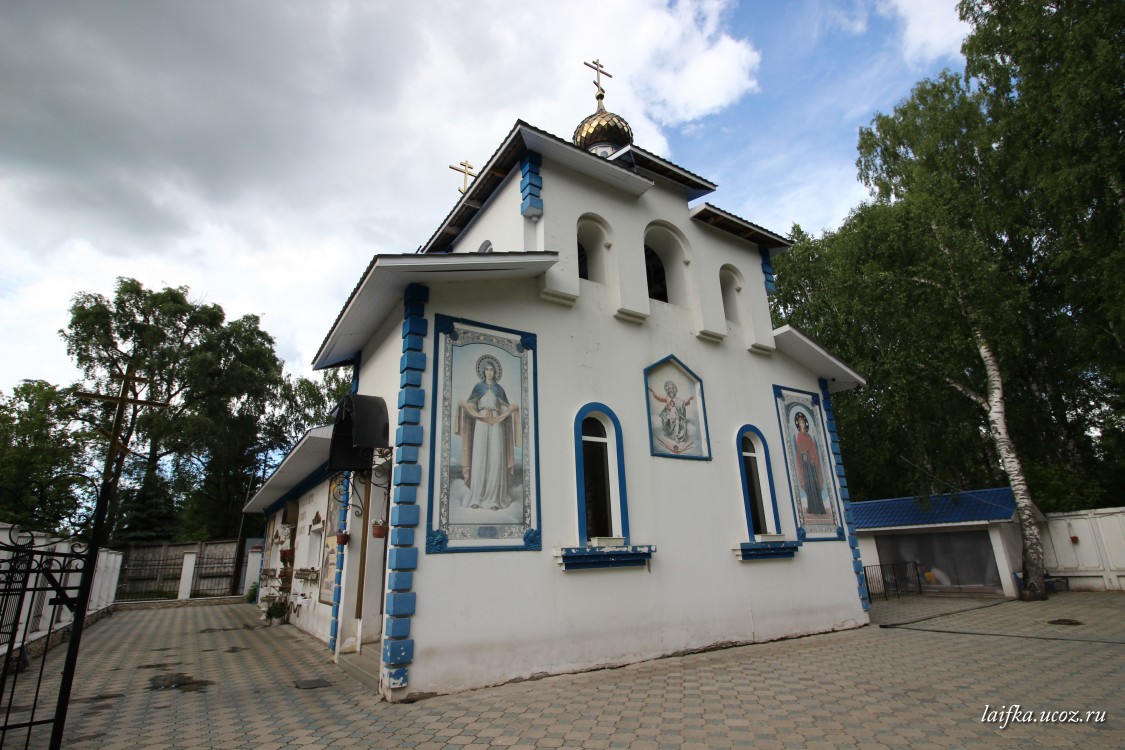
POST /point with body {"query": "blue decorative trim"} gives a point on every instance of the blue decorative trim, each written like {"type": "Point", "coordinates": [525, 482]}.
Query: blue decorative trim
{"type": "Point", "coordinates": [768, 550]}
{"type": "Point", "coordinates": [580, 469]}
{"type": "Point", "coordinates": [767, 270]}
{"type": "Point", "coordinates": [337, 583]}
{"type": "Point", "coordinates": [402, 556]}
{"type": "Point", "coordinates": [853, 541]}
{"type": "Point", "coordinates": [400, 580]}
{"type": "Point", "coordinates": [398, 651]}
{"type": "Point", "coordinates": [397, 627]}
{"type": "Point", "coordinates": [406, 515]}
{"type": "Point", "coordinates": [531, 185]}
{"type": "Point", "coordinates": [396, 678]}
{"type": "Point", "coordinates": [401, 604]}
{"type": "Point", "coordinates": [532, 540]}
{"type": "Point", "coordinates": [341, 525]}
{"type": "Point", "coordinates": [704, 429]}
{"type": "Point", "coordinates": [585, 558]}
{"type": "Point", "coordinates": [746, 480]}
{"type": "Point", "coordinates": [437, 541]}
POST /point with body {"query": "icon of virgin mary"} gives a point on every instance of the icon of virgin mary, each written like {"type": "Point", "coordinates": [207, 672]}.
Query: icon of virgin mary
{"type": "Point", "coordinates": [489, 428]}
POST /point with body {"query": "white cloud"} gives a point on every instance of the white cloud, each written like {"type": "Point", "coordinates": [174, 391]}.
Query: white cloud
{"type": "Point", "coordinates": [931, 28]}
{"type": "Point", "coordinates": [261, 153]}
{"type": "Point", "coordinates": [852, 20]}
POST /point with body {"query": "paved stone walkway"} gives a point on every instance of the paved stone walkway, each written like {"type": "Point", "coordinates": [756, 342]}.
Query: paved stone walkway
{"type": "Point", "coordinates": [211, 677]}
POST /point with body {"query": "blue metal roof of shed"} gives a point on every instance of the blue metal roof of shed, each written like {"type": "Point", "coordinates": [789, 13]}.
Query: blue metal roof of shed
{"type": "Point", "coordinates": [962, 507]}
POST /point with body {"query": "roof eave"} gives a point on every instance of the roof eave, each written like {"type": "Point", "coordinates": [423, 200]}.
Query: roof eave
{"type": "Point", "coordinates": [521, 139]}
{"type": "Point", "coordinates": [748, 231]}
{"type": "Point", "coordinates": [380, 291]}
{"type": "Point", "coordinates": [695, 187]}
{"type": "Point", "coordinates": [817, 359]}
{"type": "Point", "coordinates": [310, 452]}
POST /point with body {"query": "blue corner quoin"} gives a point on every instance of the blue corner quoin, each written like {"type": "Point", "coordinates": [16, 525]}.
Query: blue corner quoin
{"type": "Point", "coordinates": [849, 524]}
{"type": "Point", "coordinates": [531, 185]}
{"type": "Point", "coordinates": [402, 557]}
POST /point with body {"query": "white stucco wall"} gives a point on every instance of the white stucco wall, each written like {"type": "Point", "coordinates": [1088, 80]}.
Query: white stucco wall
{"type": "Point", "coordinates": [505, 236]}
{"type": "Point", "coordinates": [307, 612]}
{"type": "Point", "coordinates": [488, 617]}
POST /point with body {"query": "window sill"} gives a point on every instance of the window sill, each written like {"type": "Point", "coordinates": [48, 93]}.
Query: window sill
{"type": "Point", "coordinates": [584, 558]}
{"type": "Point", "coordinates": [766, 550]}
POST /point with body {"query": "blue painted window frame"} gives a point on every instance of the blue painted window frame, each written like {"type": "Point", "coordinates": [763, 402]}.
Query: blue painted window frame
{"type": "Point", "coordinates": [753, 549]}
{"type": "Point", "coordinates": [746, 497]}
{"type": "Point", "coordinates": [620, 497]}
{"type": "Point", "coordinates": [587, 556]}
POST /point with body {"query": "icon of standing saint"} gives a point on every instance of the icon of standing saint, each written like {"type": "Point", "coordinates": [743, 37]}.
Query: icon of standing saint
{"type": "Point", "coordinates": [489, 427]}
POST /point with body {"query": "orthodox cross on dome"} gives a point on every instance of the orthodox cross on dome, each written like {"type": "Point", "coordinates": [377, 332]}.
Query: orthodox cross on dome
{"type": "Point", "coordinates": [597, 67]}
{"type": "Point", "coordinates": [466, 169]}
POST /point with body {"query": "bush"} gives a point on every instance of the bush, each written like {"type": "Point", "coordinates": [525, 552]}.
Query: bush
{"type": "Point", "coordinates": [277, 610]}
{"type": "Point", "coordinates": [252, 593]}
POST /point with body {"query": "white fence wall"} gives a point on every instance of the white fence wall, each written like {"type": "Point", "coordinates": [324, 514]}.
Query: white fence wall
{"type": "Point", "coordinates": [1088, 547]}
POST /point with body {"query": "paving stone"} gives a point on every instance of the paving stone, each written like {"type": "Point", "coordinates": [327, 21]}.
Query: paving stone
{"type": "Point", "coordinates": [921, 684]}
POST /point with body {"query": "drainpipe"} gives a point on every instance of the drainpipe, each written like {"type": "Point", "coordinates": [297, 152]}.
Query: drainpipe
{"type": "Point", "coordinates": [337, 587]}
{"type": "Point", "coordinates": [342, 525]}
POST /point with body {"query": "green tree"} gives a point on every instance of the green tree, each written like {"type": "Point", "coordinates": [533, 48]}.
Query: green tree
{"type": "Point", "coordinates": [939, 271]}
{"type": "Point", "coordinates": [306, 402]}
{"type": "Point", "coordinates": [987, 266]}
{"type": "Point", "coordinates": [188, 356]}
{"type": "Point", "coordinates": [1051, 76]}
{"type": "Point", "coordinates": [901, 433]}
{"type": "Point", "coordinates": [44, 457]}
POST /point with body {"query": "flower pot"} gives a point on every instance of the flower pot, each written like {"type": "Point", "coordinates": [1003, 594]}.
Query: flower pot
{"type": "Point", "coordinates": [342, 538]}
{"type": "Point", "coordinates": [379, 530]}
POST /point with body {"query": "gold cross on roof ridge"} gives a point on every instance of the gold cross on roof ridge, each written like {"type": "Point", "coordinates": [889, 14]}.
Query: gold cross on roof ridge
{"type": "Point", "coordinates": [466, 169]}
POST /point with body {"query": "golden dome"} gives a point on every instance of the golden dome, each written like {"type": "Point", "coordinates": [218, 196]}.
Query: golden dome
{"type": "Point", "coordinates": [603, 127]}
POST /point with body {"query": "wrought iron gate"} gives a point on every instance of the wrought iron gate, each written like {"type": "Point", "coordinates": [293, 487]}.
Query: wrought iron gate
{"type": "Point", "coordinates": [27, 569]}
{"type": "Point", "coordinates": [894, 578]}
{"type": "Point", "coordinates": [43, 595]}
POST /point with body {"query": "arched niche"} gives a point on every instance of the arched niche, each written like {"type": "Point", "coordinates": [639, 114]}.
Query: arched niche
{"type": "Point", "coordinates": [731, 285]}
{"type": "Point", "coordinates": [666, 253]}
{"type": "Point", "coordinates": [594, 241]}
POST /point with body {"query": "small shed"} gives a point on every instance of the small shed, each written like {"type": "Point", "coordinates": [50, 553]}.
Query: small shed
{"type": "Point", "coordinates": [965, 541]}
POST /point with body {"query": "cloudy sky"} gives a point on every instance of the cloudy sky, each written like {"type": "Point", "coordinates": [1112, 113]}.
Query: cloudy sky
{"type": "Point", "coordinates": [261, 152]}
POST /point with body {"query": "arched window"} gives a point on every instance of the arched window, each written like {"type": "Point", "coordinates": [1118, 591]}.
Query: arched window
{"type": "Point", "coordinates": [583, 263]}
{"type": "Point", "coordinates": [599, 460]}
{"type": "Point", "coordinates": [595, 476]}
{"type": "Point", "coordinates": [657, 279]}
{"type": "Point", "coordinates": [757, 483]}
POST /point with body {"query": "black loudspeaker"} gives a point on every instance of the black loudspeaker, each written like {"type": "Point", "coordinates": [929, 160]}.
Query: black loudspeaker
{"type": "Point", "coordinates": [362, 425]}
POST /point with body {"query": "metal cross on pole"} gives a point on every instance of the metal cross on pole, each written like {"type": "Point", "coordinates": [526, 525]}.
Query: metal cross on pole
{"type": "Point", "coordinates": [597, 67]}
{"type": "Point", "coordinates": [466, 169]}
{"type": "Point", "coordinates": [97, 532]}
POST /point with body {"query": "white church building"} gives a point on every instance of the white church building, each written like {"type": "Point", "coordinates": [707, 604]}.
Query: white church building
{"type": "Point", "coordinates": [600, 450]}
